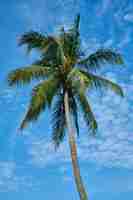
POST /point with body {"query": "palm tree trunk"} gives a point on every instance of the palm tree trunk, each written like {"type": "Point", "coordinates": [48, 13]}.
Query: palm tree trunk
{"type": "Point", "coordinates": [73, 148]}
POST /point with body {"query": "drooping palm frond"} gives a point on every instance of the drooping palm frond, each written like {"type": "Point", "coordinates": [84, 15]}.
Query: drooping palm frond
{"type": "Point", "coordinates": [99, 83]}
{"type": "Point", "coordinates": [58, 120]}
{"type": "Point", "coordinates": [78, 80]}
{"type": "Point", "coordinates": [42, 96]}
{"type": "Point", "coordinates": [79, 83]}
{"type": "Point", "coordinates": [87, 113]}
{"type": "Point", "coordinates": [100, 57]}
{"type": "Point", "coordinates": [42, 62]}
{"type": "Point", "coordinates": [35, 40]}
{"type": "Point", "coordinates": [26, 74]}
{"type": "Point", "coordinates": [74, 110]}
{"type": "Point", "coordinates": [54, 53]}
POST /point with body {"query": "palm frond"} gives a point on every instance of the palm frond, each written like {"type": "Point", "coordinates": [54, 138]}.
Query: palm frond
{"type": "Point", "coordinates": [78, 80]}
{"type": "Point", "coordinates": [26, 74]}
{"type": "Point", "coordinates": [42, 96]}
{"type": "Point", "coordinates": [54, 53]}
{"type": "Point", "coordinates": [70, 40]}
{"type": "Point", "coordinates": [76, 22]}
{"type": "Point", "coordinates": [35, 40]}
{"type": "Point", "coordinates": [100, 57]}
{"type": "Point", "coordinates": [87, 113]}
{"type": "Point", "coordinates": [99, 83]}
{"type": "Point", "coordinates": [58, 120]}
{"type": "Point", "coordinates": [74, 30]}
{"type": "Point", "coordinates": [74, 110]}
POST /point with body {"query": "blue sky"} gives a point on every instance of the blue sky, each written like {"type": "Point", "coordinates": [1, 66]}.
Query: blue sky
{"type": "Point", "coordinates": [29, 167]}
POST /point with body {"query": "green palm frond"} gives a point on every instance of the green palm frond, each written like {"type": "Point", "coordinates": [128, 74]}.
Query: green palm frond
{"type": "Point", "coordinates": [26, 74]}
{"type": "Point", "coordinates": [70, 40]}
{"type": "Point", "coordinates": [87, 113]}
{"type": "Point", "coordinates": [74, 110]}
{"type": "Point", "coordinates": [78, 80]}
{"type": "Point", "coordinates": [54, 53]}
{"type": "Point", "coordinates": [74, 30]}
{"type": "Point", "coordinates": [76, 22]}
{"type": "Point", "coordinates": [58, 120]}
{"type": "Point", "coordinates": [42, 62]}
{"type": "Point", "coordinates": [100, 57]}
{"type": "Point", "coordinates": [35, 40]}
{"type": "Point", "coordinates": [99, 83]}
{"type": "Point", "coordinates": [42, 96]}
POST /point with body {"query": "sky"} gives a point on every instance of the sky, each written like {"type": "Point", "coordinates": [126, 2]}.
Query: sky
{"type": "Point", "coordinates": [29, 166]}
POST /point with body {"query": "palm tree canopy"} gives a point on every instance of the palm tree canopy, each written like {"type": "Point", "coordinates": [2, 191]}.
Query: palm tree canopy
{"type": "Point", "coordinates": [62, 67]}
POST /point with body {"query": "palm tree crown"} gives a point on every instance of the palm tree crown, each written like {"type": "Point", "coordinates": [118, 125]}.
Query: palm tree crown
{"type": "Point", "coordinates": [63, 66]}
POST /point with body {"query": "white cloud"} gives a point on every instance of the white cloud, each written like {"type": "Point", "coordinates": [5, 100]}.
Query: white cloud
{"type": "Point", "coordinates": [128, 17]}
{"type": "Point", "coordinates": [108, 43]}
{"type": "Point", "coordinates": [10, 180]}
{"type": "Point", "coordinates": [45, 149]}
{"type": "Point", "coordinates": [103, 7]}
{"type": "Point", "coordinates": [7, 169]}
{"type": "Point", "coordinates": [126, 39]}
{"type": "Point", "coordinates": [90, 46]}
{"type": "Point", "coordinates": [40, 16]}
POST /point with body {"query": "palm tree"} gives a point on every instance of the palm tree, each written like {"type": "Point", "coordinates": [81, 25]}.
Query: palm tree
{"type": "Point", "coordinates": [66, 74]}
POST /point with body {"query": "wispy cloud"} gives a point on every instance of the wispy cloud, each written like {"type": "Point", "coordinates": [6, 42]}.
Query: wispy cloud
{"type": "Point", "coordinates": [128, 17]}
{"type": "Point", "coordinates": [43, 17]}
{"type": "Point", "coordinates": [126, 39]}
{"type": "Point", "coordinates": [10, 180]}
{"type": "Point", "coordinates": [108, 43]}
{"type": "Point", "coordinates": [103, 7]}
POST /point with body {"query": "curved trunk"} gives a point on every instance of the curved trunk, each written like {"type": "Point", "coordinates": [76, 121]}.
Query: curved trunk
{"type": "Point", "coordinates": [72, 144]}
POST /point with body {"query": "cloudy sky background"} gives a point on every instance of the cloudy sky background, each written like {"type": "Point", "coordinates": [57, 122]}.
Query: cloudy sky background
{"type": "Point", "coordinates": [29, 166]}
